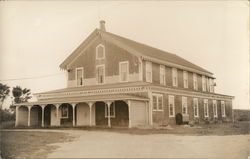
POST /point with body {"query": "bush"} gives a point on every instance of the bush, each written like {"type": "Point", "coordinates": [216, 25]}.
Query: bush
{"type": "Point", "coordinates": [6, 115]}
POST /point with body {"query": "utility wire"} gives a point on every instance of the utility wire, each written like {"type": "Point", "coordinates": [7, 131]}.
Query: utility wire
{"type": "Point", "coordinates": [35, 77]}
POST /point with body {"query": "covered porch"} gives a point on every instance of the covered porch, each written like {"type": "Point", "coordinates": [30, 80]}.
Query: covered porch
{"type": "Point", "coordinates": [119, 110]}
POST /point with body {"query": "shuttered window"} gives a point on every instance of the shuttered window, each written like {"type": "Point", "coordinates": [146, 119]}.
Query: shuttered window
{"type": "Point", "coordinates": [124, 71]}
{"type": "Point", "coordinates": [196, 107]}
{"type": "Point", "coordinates": [162, 75]}
{"type": "Point", "coordinates": [185, 79]}
{"type": "Point", "coordinates": [184, 105]}
{"type": "Point", "coordinates": [206, 114]}
{"type": "Point", "coordinates": [171, 106]}
{"type": "Point", "coordinates": [100, 74]}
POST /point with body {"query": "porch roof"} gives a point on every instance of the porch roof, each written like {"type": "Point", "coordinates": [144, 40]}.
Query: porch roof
{"type": "Point", "coordinates": [94, 98]}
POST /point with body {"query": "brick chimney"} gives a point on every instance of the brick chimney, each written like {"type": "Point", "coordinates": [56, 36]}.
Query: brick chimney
{"type": "Point", "coordinates": [102, 25]}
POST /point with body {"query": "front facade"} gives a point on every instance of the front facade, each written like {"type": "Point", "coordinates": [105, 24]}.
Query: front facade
{"type": "Point", "coordinates": [114, 81]}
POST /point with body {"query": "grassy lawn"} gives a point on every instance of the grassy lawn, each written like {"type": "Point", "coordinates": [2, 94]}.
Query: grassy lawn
{"type": "Point", "coordinates": [23, 144]}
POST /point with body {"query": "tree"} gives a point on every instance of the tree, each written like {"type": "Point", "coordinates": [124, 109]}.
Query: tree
{"type": "Point", "coordinates": [4, 92]}
{"type": "Point", "coordinates": [21, 95]}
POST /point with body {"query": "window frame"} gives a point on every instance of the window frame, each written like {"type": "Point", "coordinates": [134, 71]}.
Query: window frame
{"type": "Point", "coordinates": [158, 96]}
{"type": "Point", "coordinates": [196, 101]}
{"type": "Point", "coordinates": [205, 101]}
{"type": "Point", "coordinates": [185, 77]}
{"type": "Point", "coordinates": [224, 109]}
{"type": "Point", "coordinates": [96, 52]}
{"type": "Point", "coordinates": [203, 81]}
{"type": "Point", "coordinates": [149, 69]}
{"type": "Point", "coordinates": [76, 69]}
{"type": "Point", "coordinates": [97, 78]}
{"type": "Point", "coordinates": [120, 69]}
{"type": "Point", "coordinates": [195, 81]}
{"type": "Point", "coordinates": [215, 110]}
{"type": "Point", "coordinates": [184, 100]}
{"type": "Point", "coordinates": [106, 110]}
{"type": "Point", "coordinates": [174, 74]}
{"type": "Point", "coordinates": [169, 99]}
{"type": "Point", "coordinates": [162, 73]}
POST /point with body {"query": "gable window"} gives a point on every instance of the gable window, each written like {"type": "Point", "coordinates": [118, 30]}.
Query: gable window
{"type": "Point", "coordinates": [215, 108]}
{"type": "Point", "coordinates": [206, 108]}
{"type": "Point", "coordinates": [112, 110]}
{"type": "Point", "coordinates": [100, 74]}
{"type": "Point", "coordinates": [223, 109]}
{"type": "Point", "coordinates": [196, 107]}
{"type": "Point", "coordinates": [79, 76]}
{"type": "Point", "coordinates": [148, 71]}
{"type": "Point", "coordinates": [174, 77]}
{"type": "Point", "coordinates": [100, 52]}
{"type": "Point", "coordinates": [184, 105]}
{"type": "Point", "coordinates": [171, 106]}
{"type": "Point", "coordinates": [195, 81]}
{"type": "Point", "coordinates": [157, 102]}
{"type": "Point", "coordinates": [123, 71]}
{"type": "Point", "coordinates": [185, 79]}
{"type": "Point", "coordinates": [162, 75]}
{"type": "Point", "coordinates": [64, 111]}
{"type": "Point", "coordinates": [203, 83]}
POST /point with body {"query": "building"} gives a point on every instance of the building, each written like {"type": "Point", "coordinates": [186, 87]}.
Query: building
{"type": "Point", "coordinates": [114, 81]}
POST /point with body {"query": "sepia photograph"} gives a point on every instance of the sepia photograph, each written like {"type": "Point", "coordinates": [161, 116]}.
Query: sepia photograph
{"type": "Point", "coordinates": [125, 79]}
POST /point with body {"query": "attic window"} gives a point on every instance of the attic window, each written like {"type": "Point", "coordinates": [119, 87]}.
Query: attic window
{"type": "Point", "coordinates": [100, 52]}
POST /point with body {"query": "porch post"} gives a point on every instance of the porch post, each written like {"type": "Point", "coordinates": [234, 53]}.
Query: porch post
{"type": "Point", "coordinates": [58, 123]}
{"type": "Point", "coordinates": [129, 114]}
{"type": "Point", "coordinates": [90, 113]}
{"type": "Point", "coordinates": [29, 107]}
{"type": "Point", "coordinates": [42, 115]}
{"type": "Point", "coordinates": [109, 121]}
{"type": "Point", "coordinates": [73, 105]}
{"type": "Point", "coordinates": [17, 113]}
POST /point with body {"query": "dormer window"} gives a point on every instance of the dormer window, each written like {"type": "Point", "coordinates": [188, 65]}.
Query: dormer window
{"type": "Point", "coordinates": [79, 76]}
{"type": "Point", "coordinates": [100, 52]}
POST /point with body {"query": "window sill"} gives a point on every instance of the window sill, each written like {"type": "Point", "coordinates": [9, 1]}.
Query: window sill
{"type": "Point", "coordinates": [156, 110]}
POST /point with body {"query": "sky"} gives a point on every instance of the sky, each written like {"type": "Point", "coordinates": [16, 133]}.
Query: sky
{"type": "Point", "coordinates": [36, 36]}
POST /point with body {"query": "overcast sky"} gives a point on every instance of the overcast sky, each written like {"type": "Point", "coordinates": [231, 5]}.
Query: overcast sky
{"type": "Point", "coordinates": [37, 36]}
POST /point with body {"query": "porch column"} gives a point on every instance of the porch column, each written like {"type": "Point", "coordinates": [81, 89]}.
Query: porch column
{"type": "Point", "coordinates": [58, 123]}
{"type": "Point", "coordinates": [17, 113]}
{"type": "Point", "coordinates": [29, 107]}
{"type": "Point", "coordinates": [129, 113]}
{"type": "Point", "coordinates": [73, 106]}
{"type": "Point", "coordinates": [109, 121]}
{"type": "Point", "coordinates": [90, 113]}
{"type": "Point", "coordinates": [43, 114]}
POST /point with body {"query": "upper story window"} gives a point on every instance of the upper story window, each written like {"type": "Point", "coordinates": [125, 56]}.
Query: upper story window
{"type": "Point", "coordinates": [174, 77]}
{"type": "Point", "coordinates": [100, 52]}
{"type": "Point", "coordinates": [148, 71]}
{"type": "Point", "coordinates": [195, 81]}
{"type": "Point", "coordinates": [79, 76]}
{"type": "Point", "coordinates": [184, 105]}
{"type": "Point", "coordinates": [223, 109]}
{"type": "Point", "coordinates": [185, 79]}
{"type": "Point", "coordinates": [207, 82]}
{"type": "Point", "coordinates": [162, 75]}
{"type": "Point", "coordinates": [196, 107]}
{"type": "Point", "coordinates": [157, 102]}
{"type": "Point", "coordinates": [112, 110]}
{"type": "Point", "coordinates": [171, 106]}
{"type": "Point", "coordinates": [206, 111]}
{"type": "Point", "coordinates": [215, 108]}
{"type": "Point", "coordinates": [204, 83]}
{"type": "Point", "coordinates": [100, 74]}
{"type": "Point", "coordinates": [211, 83]}
{"type": "Point", "coordinates": [124, 71]}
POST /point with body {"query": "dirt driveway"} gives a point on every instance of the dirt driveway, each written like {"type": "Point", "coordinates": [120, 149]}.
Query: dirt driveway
{"type": "Point", "coordinates": [98, 144]}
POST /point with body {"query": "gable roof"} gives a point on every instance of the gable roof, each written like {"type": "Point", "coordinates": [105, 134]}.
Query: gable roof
{"type": "Point", "coordinates": [138, 49]}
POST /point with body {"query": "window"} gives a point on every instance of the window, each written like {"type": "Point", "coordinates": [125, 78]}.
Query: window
{"type": "Point", "coordinates": [185, 79]}
{"type": "Point", "coordinates": [100, 52]}
{"type": "Point", "coordinates": [208, 86]}
{"type": "Point", "coordinates": [203, 83]}
{"type": "Point", "coordinates": [79, 76]}
{"type": "Point", "coordinates": [174, 76]}
{"type": "Point", "coordinates": [196, 107]}
{"type": "Point", "coordinates": [206, 108]}
{"type": "Point", "coordinates": [157, 102]}
{"type": "Point", "coordinates": [100, 74]}
{"type": "Point", "coordinates": [162, 75]}
{"type": "Point", "coordinates": [195, 81]}
{"type": "Point", "coordinates": [171, 106]}
{"type": "Point", "coordinates": [64, 111]}
{"type": "Point", "coordinates": [148, 71]}
{"type": "Point", "coordinates": [223, 109]}
{"type": "Point", "coordinates": [124, 71]}
{"type": "Point", "coordinates": [211, 83]}
{"type": "Point", "coordinates": [112, 110]}
{"type": "Point", "coordinates": [184, 105]}
{"type": "Point", "coordinates": [215, 108]}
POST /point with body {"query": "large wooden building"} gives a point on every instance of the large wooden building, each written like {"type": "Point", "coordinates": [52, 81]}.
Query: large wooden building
{"type": "Point", "coordinates": [114, 81]}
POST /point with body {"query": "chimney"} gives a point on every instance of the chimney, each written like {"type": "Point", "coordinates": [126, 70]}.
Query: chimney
{"type": "Point", "coordinates": [102, 25]}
